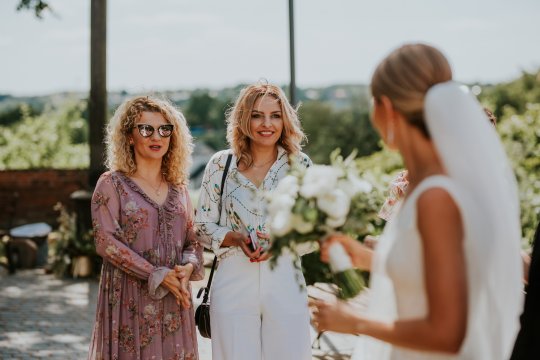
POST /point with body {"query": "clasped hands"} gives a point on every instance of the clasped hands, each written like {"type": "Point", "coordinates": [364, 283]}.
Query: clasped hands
{"type": "Point", "coordinates": [177, 282]}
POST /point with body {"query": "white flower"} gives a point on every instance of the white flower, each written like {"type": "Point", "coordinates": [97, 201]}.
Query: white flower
{"type": "Point", "coordinates": [131, 206]}
{"type": "Point", "coordinates": [335, 222]}
{"type": "Point", "coordinates": [288, 185]}
{"type": "Point", "coordinates": [319, 179]}
{"type": "Point", "coordinates": [280, 203]}
{"type": "Point", "coordinates": [281, 223]}
{"type": "Point", "coordinates": [335, 203]}
{"type": "Point", "coordinates": [112, 250]}
{"type": "Point", "coordinates": [300, 225]}
{"type": "Point", "coordinates": [353, 185]}
{"type": "Point", "coordinates": [149, 310]}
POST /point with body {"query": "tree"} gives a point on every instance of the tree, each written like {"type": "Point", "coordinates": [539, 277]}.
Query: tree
{"type": "Point", "coordinates": [328, 129]}
{"type": "Point", "coordinates": [97, 104]}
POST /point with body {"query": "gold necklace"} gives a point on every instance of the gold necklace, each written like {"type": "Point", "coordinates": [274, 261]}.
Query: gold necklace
{"type": "Point", "coordinates": [156, 190]}
{"type": "Point", "coordinates": [273, 159]}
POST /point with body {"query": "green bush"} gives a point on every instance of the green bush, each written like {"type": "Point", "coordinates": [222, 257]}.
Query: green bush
{"type": "Point", "coordinates": [57, 138]}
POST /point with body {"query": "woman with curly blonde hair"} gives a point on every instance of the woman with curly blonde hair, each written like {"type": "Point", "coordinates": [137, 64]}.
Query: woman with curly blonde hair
{"type": "Point", "coordinates": [256, 312]}
{"type": "Point", "coordinates": [143, 229]}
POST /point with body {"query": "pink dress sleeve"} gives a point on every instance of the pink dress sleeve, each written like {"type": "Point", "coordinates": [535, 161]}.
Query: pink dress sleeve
{"type": "Point", "coordinates": [108, 234]}
{"type": "Point", "coordinates": [193, 250]}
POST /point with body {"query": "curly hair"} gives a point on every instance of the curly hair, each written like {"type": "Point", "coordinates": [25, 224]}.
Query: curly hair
{"type": "Point", "coordinates": [120, 155]}
{"type": "Point", "coordinates": [239, 133]}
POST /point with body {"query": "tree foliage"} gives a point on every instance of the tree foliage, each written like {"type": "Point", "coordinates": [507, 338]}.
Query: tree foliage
{"type": "Point", "coordinates": [328, 129]}
{"type": "Point", "coordinates": [38, 6]}
{"type": "Point", "coordinates": [57, 138]}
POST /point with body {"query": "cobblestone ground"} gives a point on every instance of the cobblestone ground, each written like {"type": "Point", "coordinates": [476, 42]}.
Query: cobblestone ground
{"type": "Point", "coordinates": [42, 317]}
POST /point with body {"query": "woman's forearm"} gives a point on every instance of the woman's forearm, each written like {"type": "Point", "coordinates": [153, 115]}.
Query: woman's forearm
{"type": "Point", "coordinates": [414, 334]}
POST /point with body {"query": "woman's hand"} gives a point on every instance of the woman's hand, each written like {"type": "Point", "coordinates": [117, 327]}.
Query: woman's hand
{"type": "Point", "coordinates": [172, 283]}
{"type": "Point", "coordinates": [234, 238]}
{"type": "Point", "coordinates": [360, 254]}
{"type": "Point", "coordinates": [265, 255]}
{"type": "Point", "coordinates": [335, 316]}
{"type": "Point", "coordinates": [371, 241]}
{"type": "Point", "coordinates": [183, 273]}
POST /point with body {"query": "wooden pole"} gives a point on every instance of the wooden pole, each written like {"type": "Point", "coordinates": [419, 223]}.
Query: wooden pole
{"type": "Point", "coordinates": [292, 86]}
{"type": "Point", "coordinates": [97, 105]}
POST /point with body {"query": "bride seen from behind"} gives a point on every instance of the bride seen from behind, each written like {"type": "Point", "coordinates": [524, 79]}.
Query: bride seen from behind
{"type": "Point", "coordinates": [446, 274]}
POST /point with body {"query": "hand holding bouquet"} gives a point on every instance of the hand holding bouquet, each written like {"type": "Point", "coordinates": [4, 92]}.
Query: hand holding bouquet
{"type": "Point", "coordinates": [310, 204]}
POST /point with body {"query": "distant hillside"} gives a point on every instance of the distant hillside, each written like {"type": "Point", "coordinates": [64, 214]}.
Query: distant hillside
{"type": "Point", "coordinates": [338, 96]}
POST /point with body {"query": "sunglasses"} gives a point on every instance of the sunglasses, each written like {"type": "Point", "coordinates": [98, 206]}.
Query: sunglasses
{"type": "Point", "coordinates": [147, 130]}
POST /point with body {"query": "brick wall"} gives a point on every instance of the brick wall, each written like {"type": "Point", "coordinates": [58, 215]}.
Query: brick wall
{"type": "Point", "coordinates": [39, 191]}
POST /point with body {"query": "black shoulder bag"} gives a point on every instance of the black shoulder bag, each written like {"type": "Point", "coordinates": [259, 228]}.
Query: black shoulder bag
{"type": "Point", "coordinates": [202, 314]}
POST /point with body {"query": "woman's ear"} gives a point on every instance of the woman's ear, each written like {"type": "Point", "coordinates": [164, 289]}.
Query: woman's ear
{"type": "Point", "coordinates": [386, 106]}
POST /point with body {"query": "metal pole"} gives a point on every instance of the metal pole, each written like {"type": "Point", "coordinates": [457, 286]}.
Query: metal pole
{"type": "Point", "coordinates": [97, 105]}
{"type": "Point", "coordinates": [292, 86]}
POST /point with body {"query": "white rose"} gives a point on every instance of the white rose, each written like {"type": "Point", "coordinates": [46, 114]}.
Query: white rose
{"type": "Point", "coordinates": [353, 185]}
{"type": "Point", "coordinates": [288, 185]}
{"type": "Point", "coordinates": [300, 225]}
{"type": "Point", "coordinates": [335, 222]}
{"type": "Point", "coordinates": [335, 203]}
{"type": "Point", "coordinates": [280, 203]}
{"type": "Point", "coordinates": [319, 179]}
{"type": "Point", "coordinates": [281, 223]}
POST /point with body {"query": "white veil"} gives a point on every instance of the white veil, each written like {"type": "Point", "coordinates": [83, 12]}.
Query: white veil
{"type": "Point", "coordinates": [474, 158]}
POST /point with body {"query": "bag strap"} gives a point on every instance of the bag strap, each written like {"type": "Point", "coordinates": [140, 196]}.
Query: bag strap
{"type": "Point", "coordinates": [207, 288]}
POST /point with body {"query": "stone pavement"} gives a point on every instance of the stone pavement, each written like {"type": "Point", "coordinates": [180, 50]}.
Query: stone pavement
{"type": "Point", "coordinates": [42, 317]}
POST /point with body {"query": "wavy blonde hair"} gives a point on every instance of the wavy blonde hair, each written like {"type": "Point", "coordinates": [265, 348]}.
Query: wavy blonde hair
{"type": "Point", "coordinates": [120, 155]}
{"type": "Point", "coordinates": [239, 133]}
{"type": "Point", "coordinates": [406, 75]}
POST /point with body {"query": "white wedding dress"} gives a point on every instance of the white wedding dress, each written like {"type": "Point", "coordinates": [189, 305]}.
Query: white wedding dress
{"type": "Point", "coordinates": [481, 184]}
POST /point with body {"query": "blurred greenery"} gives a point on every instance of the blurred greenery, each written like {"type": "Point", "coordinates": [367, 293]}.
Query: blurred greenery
{"type": "Point", "coordinates": [53, 133]}
{"type": "Point", "coordinates": [56, 138]}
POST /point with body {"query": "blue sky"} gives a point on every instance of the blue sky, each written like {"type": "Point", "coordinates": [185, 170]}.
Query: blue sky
{"type": "Point", "coordinates": [184, 44]}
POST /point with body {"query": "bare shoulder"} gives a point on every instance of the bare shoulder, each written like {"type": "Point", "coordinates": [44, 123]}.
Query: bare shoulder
{"type": "Point", "coordinates": [439, 213]}
{"type": "Point", "coordinates": [437, 199]}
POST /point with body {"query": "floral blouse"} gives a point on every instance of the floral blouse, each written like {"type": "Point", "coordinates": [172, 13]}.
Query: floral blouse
{"type": "Point", "coordinates": [140, 241]}
{"type": "Point", "coordinates": [242, 208]}
{"type": "Point", "coordinates": [396, 192]}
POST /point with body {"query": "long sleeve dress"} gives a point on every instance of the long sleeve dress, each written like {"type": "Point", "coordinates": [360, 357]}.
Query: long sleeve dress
{"type": "Point", "coordinates": [140, 241]}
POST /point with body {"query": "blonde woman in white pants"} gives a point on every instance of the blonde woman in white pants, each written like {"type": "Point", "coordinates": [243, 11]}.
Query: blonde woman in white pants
{"type": "Point", "coordinates": [256, 312]}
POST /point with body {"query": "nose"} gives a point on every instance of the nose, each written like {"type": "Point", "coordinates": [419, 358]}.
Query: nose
{"type": "Point", "coordinates": [267, 121]}
{"type": "Point", "coordinates": [155, 135]}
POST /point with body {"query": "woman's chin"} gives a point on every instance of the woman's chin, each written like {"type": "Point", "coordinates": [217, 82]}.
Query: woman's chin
{"type": "Point", "coordinates": [265, 141]}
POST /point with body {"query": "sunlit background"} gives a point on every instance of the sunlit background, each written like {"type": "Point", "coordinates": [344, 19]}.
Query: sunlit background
{"type": "Point", "coordinates": [186, 44]}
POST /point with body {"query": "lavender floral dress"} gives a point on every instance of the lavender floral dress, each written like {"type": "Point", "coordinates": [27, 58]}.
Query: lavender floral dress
{"type": "Point", "coordinates": [140, 241]}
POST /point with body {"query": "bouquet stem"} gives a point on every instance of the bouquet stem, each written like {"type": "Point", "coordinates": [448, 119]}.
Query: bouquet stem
{"type": "Point", "coordinates": [346, 277]}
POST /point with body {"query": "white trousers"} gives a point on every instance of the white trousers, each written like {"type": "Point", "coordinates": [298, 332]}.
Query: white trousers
{"type": "Point", "coordinates": [259, 313]}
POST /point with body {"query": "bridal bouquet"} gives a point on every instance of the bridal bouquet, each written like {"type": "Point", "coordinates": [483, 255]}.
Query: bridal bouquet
{"type": "Point", "coordinates": [310, 204]}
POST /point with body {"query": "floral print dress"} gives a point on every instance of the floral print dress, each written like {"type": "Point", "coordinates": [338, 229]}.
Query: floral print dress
{"type": "Point", "coordinates": [140, 241]}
